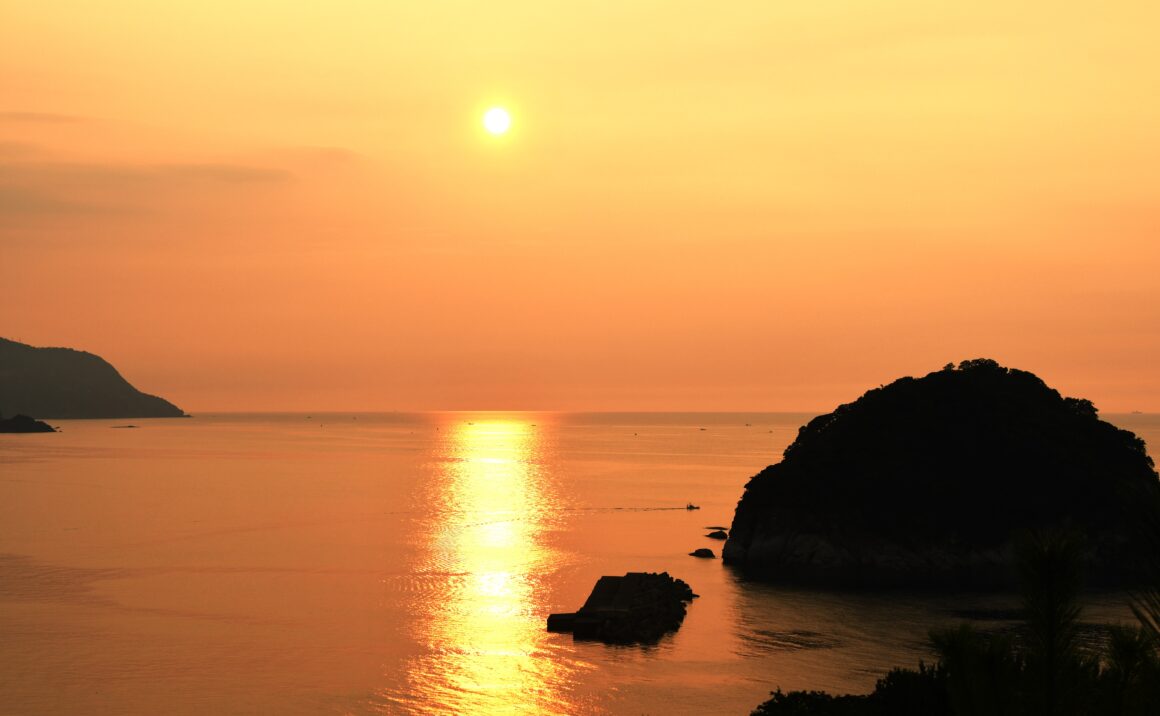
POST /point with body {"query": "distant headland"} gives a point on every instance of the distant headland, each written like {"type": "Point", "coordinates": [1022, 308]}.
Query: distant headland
{"type": "Point", "coordinates": [24, 424]}
{"type": "Point", "coordinates": [931, 480]}
{"type": "Point", "coordinates": [63, 383]}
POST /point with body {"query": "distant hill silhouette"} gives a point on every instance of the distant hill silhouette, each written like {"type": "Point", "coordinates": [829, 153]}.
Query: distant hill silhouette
{"type": "Point", "coordinates": [65, 383]}
{"type": "Point", "coordinates": [931, 479]}
{"type": "Point", "coordinates": [24, 424]}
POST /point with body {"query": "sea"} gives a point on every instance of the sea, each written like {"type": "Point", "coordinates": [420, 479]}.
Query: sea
{"type": "Point", "coordinates": [395, 563]}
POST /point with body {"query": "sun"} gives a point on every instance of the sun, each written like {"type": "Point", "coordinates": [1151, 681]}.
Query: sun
{"type": "Point", "coordinates": [497, 120]}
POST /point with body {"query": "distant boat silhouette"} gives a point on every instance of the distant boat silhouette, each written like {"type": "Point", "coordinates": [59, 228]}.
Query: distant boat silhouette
{"type": "Point", "coordinates": [691, 506]}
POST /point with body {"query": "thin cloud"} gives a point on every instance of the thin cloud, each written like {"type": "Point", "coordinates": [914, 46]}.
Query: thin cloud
{"type": "Point", "coordinates": [19, 151]}
{"type": "Point", "coordinates": [33, 191]}
{"type": "Point", "coordinates": [225, 173]}
{"type": "Point", "coordinates": [318, 155]}
{"type": "Point", "coordinates": [24, 202]}
{"type": "Point", "coordinates": [110, 176]}
{"type": "Point", "coordinates": [19, 117]}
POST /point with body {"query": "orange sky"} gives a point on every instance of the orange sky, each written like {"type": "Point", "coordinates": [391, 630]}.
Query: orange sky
{"type": "Point", "coordinates": [702, 206]}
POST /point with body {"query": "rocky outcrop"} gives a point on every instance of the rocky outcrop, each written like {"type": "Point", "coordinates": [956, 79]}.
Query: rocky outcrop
{"type": "Point", "coordinates": [639, 607]}
{"type": "Point", "coordinates": [24, 424]}
{"type": "Point", "coordinates": [64, 383]}
{"type": "Point", "coordinates": [703, 553]}
{"type": "Point", "coordinates": [932, 480]}
{"type": "Point", "coordinates": [718, 534]}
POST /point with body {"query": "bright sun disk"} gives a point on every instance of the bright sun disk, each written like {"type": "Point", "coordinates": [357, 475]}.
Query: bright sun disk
{"type": "Point", "coordinates": [497, 120]}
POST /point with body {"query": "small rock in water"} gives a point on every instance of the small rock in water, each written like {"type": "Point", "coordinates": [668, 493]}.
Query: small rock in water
{"type": "Point", "coordinates": [703, 553]}
{"type": "Point", "coordinates": [639, 607]}
{"type": "Point", "coordinates": [718, 534]}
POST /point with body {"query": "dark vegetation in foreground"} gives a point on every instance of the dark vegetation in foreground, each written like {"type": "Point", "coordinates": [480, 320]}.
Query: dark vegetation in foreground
{"type": "Point", "coordinates": [928, 481]}
{"type": "Point", "coordinates": [1042, 670]}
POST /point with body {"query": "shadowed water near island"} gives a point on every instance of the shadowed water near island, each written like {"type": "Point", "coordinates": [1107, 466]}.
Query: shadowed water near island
{"type": "Point", "coordinates": [406, 564]}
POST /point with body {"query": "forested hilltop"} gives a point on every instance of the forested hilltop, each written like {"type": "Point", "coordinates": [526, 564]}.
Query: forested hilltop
{"type": "Point", "coordinates": [930, 480]}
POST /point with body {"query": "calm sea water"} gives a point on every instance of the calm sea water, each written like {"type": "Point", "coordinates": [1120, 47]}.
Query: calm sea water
{"type": "Point", "coordinates": [406, 564]}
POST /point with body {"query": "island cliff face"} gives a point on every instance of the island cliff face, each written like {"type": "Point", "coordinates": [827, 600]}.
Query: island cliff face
{"type": "Point", "coordinates": [64, 383]}
{"type": "Point", "coordinates": [932, 480]}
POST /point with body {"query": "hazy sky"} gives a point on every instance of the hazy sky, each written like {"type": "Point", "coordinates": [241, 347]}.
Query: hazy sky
{"type": "Point", "coordinates": [747, 205]}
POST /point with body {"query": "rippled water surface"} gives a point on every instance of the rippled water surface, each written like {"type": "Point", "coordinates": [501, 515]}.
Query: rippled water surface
{"type": "Point", "coordinates": [406, 564]}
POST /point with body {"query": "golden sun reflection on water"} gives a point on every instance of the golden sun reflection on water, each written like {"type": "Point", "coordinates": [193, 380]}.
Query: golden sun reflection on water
{"type": "Point", "coordinates": [486, 647]}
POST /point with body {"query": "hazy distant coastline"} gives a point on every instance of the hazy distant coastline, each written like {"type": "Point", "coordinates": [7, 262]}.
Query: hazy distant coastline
{"type": "Point", "coordinates": [63, 383]}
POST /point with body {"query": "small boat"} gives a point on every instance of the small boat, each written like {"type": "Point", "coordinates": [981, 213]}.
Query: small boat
{"type": "Point", "coordinates": [691, 506]}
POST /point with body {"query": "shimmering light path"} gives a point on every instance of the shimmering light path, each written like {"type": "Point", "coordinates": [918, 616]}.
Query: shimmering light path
{"type": "Point", "coordinates": [405, 564]}
{"type": "Point", "coordinates": [486, 650]}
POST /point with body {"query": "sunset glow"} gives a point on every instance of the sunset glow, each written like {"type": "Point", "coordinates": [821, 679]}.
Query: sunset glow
{"type": "Point", "coordinates": [599, 357]}
{"type": "Point", "coordinates": [497, 120]}
{"type": "Point", "coordinates": [762, 206]}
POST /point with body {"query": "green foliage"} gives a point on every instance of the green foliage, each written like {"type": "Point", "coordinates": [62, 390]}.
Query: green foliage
{"type": "Point", "coordinates": [1044, 672]}
{"type": "Point", "coordinates": [904, 692]}
{"type": "Point", "coordinates": [1130, 682]}
{"type": "Point", "coordinates": [1146, 601]}
{"type": "Point", "coordinates": [909, 468]}
{"type": "Point", "coordinates": [1050, 569]}
{"type": "Point", "coordinates": [981, 364]}
{"type": "Point", "coordinates": [814, 703]}
{"type": "Point", "coordinates": [983, 673]}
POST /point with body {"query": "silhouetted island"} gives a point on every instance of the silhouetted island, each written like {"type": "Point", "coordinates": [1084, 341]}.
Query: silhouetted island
{"type": "Point", "coordinates": [639, 607]}
{"type": "Point", "coordinates": [65, 383]}
{"type": "Point", "coordinates": [24, 424]}
{"type": "Point", "coordinates": [930, 480]}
